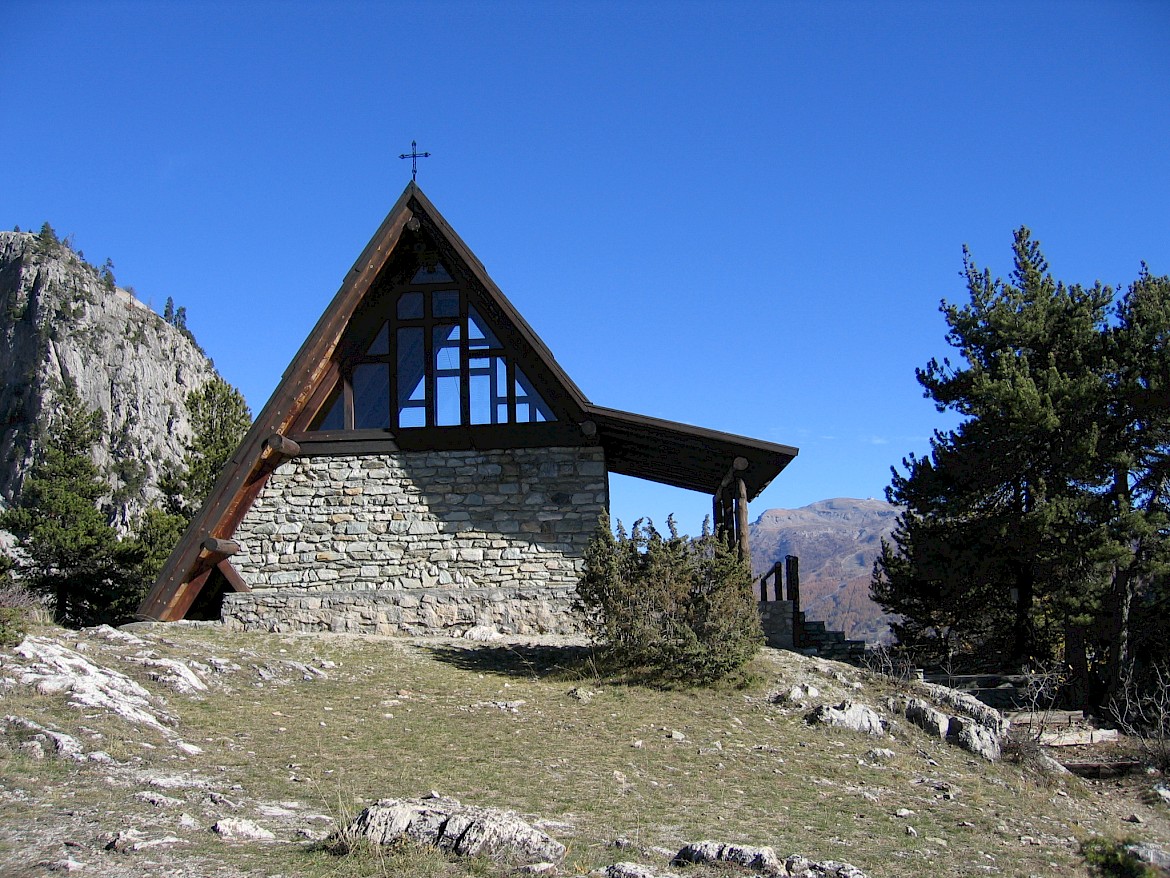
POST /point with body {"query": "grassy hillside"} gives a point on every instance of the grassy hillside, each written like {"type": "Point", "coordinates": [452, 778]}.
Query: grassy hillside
{"type": "Point", "coordinates": [294, 732]}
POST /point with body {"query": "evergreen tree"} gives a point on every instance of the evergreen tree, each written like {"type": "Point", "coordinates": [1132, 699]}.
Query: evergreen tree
{"type": "Point", "coordinates": [106, 274]}
{"type": "Point", "coordinates": [74, 556]}
{"type": "Point", "coordinates": [219, 419]}
{"type": "Point", "coordinates": [669, 608]}
{"type": "Point", "coordinates": [1020, 531]}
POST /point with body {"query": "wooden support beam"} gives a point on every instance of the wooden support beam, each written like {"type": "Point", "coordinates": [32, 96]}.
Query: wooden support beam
{"type": "Point", "coordinates": [216, 546]}
{"type": "Point", "coordinates": [282, 445]}
{"type": "Point", "coordinates": [741, 522]}
{"type": "Point", "coordinates": [234, 580]}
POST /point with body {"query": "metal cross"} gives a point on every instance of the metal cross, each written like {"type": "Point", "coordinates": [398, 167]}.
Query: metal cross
{"type": "Point", "coordinates": [414, 155]}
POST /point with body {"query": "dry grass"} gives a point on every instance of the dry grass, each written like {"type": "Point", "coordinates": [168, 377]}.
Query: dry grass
{"type": "Point", "coordinates": [397, 718]}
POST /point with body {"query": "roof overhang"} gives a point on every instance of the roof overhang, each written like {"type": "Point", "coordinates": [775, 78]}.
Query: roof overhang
{"type": "Point", "coordinates": [685, 456]}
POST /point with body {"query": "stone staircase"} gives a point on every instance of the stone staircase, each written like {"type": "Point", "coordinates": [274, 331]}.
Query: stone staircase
{"type": "Point", "coordinates": [785, 625]}
{"type": "Point", "coordinates": [815, 639]}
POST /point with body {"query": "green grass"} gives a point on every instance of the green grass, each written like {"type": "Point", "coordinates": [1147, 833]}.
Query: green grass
{"type": "Point", "coordinates": [397, 718]}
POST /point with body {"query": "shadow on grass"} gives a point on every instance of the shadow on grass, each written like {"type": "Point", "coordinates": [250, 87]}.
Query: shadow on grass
{"type": "Point", "coordinates": [546, 662]}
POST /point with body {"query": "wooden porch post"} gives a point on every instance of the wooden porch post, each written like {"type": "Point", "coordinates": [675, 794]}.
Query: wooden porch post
{"type": "Point", "coordinates": [741, 522]}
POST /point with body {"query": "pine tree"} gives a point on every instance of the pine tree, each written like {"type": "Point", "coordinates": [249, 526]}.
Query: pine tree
{"type": "Point", "coordinates": [219, 419]}
{"type": "Point", "coordinates": [74, 555]}
{"type": "Point", "coordinates": [1020, 535]}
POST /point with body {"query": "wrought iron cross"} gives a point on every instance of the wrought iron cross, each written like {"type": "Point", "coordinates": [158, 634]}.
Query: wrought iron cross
{"type": "Point", "coordinates": [414, 155]}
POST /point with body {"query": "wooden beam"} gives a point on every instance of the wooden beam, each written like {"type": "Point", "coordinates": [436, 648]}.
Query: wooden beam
{"type": "Point", "coordinates": [218, 546]}
{"type": "Point", "coordinates": [741, 522]}
{"type": "Point", "coordinates": [232, 576]}
{"type": "Point", "coordinates": [282, 445]}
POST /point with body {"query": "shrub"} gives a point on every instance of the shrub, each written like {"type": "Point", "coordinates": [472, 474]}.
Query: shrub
{"type": "Point", "coordinates": [670, 608]}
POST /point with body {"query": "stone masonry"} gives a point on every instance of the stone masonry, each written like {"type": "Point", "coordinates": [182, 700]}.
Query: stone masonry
{"type": "Point", "coordinates": [417, 542]}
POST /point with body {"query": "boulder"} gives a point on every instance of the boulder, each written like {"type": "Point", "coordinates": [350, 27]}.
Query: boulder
{"type": "Point", "coordinates": [799, 867]}
{"type": "Point", "coordinates": [758, 859]}
{"type": "Point", "coordinates": [632, 870]}
{"type": "Point", "coordinates": [239, 829]}
{"type": "Point", "coordinates": [922, 714]}
{"type": "Point", "coordinates": [968, 706]}
{"type": "Point", "coordinates": [465, 830]}
{"type": "Point", "coordinates": [849, 715]}
{"type": "Point", "coordinates": [974, 737]}
{"type": "Point", "coordinates": [1150, 854]}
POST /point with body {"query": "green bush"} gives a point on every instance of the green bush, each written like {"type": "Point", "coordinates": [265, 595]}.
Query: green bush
{"type": "Point", "coordinates": [669, 608]}
{"type": "Point", "coordinates": [1110, 858]}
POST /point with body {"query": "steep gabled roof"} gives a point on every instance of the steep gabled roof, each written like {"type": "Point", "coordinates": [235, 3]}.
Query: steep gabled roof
{"type": "Point", "coordinates": [664, 451]}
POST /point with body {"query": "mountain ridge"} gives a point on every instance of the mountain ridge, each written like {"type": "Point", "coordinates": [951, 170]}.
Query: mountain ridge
{"type": "Point", "coordinates": [836, 540]}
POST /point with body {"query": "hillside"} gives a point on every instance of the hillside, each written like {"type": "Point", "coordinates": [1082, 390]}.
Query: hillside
{"type": "Point", "coordinates": [836, 541]}
{"type": "Point", "coordinates": [121, 750]}
{"type": "Point", "coordinates": [58, 319]}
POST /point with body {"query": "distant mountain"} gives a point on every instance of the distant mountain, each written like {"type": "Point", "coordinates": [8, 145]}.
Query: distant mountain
{"type": "Point", "coordinates": [836, 541]}
{"type": "Point", "coordinates": [61, 317]}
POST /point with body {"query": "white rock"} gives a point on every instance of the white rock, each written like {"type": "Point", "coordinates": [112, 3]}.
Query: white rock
{"type": "Point", "coordinates": [482, 633]}
{"type": "Point", "coordinates": [849, 715]}
{"type": "Point", "coordinates": [465, 830]}
{"type": "Point", "coordinates": [240, 829]}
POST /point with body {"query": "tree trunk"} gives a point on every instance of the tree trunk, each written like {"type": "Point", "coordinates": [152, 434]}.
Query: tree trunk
{"type": "Point", "coordinates": [1121, 599]}
{"type": "Point", "coordinates": [1022, 628]}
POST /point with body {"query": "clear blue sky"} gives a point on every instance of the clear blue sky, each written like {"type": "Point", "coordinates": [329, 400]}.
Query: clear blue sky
{"type": "Point", "coordinates": [738, 215]}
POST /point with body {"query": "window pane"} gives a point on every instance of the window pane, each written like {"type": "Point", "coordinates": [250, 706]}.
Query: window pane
{"type": "Point", "coordinates": [445, 303]}
{"type": "Point", "coordinates": [502, 413]}
{"type": "Point", "coordinates": [410, 306]}
{"type": "Point", "coordinates": [524, 389]}
{"type": "Point", "coordinates": [415, 416]}
{"type": "Point", "coordinates": [381, 343]}
{"type": "Point", "coordinates": [435, 274]}
{"type": "Point", "coordinates": [411, 385]}
{"type": "Point", "coordinates": [446, 347]}
{"type": "Point", "coordinates": [371, 396]}
{"type": "Point", "coordinates": [334, 414]}
{"type": "Point", "coordinates": [481, 400]}
{"type": "Point", "coordinates": [478, 333]}
{"type": "Point", "coordinates": [447, 401]}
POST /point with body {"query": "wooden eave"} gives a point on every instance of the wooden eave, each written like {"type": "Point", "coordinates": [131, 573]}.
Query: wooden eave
{"type": "Point", "coordinates": [683, 455]}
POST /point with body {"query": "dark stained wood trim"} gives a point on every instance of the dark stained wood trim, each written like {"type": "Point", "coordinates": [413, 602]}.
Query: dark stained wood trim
{"type": "Point", "coordinates": [234, 580]}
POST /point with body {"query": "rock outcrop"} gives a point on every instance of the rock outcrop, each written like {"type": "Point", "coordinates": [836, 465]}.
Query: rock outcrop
{"type": "Point", "coordinates": [58, 319]}
{"type": "Point", "coordinates": [465, 830]}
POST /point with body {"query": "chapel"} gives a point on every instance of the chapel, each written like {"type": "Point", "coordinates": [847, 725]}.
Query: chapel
{"type": "Point", "coordinates": [426, 466]}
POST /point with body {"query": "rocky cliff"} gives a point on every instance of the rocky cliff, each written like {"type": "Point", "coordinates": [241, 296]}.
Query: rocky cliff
{"type": "Point", "coordinates": [60, 318]}
{"type": "Point", "coordinates": [836, 541]}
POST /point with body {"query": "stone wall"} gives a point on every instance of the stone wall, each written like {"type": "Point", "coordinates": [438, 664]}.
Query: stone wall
{"type": "Point", "coordinates": [776, 620]}
{"type": "Point", "coordinates": [416, 541]}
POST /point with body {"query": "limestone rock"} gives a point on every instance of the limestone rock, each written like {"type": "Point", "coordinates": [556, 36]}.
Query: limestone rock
{"type": "Point", "coordinates": [922, 714]}
{"type": "Point", "coordinates": [799, 867]}
{"type": "Point", "coordinates": [465, 830]}
{"type": "Point", "coordinates": [53, 668]}
{"type": "Point", "coordinates": [758, 859]}
{"type": "Point", "coordinates": [974, 738]}
{"type": "Point", "coordinates": [849, 715]}
{"type": "Point", "coordinates": [1151, 854]}
{"type": "Point", "coordinates": [632, 870]}
{"type": "Point", "coordinates": [57, 319]}
{"type": "Point", "coordinates": [968, 706]}
{"type": "Point", "coordinates": [239, 829]}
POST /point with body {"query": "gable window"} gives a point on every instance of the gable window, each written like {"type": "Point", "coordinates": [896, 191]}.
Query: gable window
{"type": "Point", "coordinates": [431, 361]}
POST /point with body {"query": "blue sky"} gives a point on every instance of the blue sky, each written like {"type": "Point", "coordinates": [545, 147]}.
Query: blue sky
{"type": "Point", "coordinates": [738, 215]}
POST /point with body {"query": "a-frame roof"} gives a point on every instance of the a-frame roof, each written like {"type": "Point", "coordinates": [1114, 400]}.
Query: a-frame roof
{"type": "Point", "coordinates": [664, 451]}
